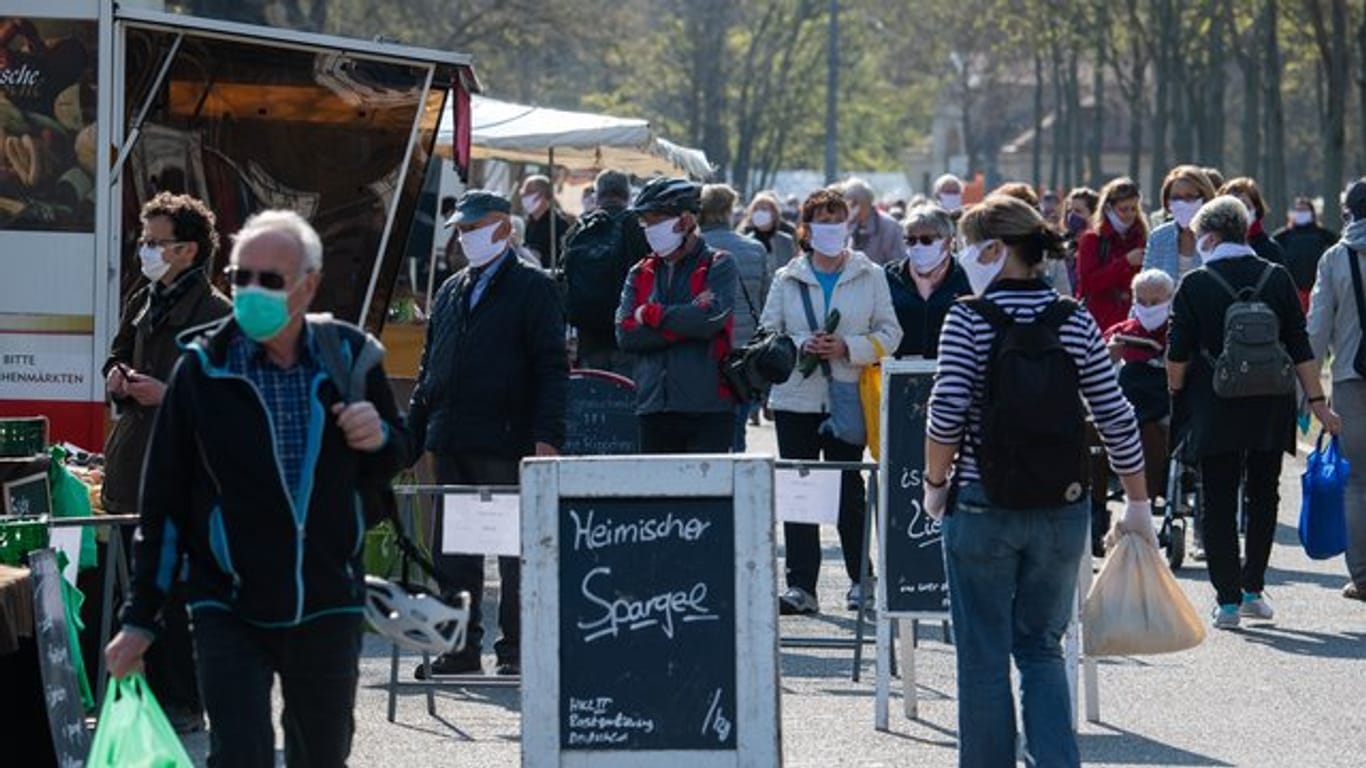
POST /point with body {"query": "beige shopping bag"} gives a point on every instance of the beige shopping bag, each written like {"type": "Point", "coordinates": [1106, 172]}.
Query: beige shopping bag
{"type": "Point", "coordinates": [1135, 607]}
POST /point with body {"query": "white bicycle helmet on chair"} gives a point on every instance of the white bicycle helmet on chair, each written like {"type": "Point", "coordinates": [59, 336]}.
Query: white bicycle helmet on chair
{"type": "Point", "coordinates": [418, 621]}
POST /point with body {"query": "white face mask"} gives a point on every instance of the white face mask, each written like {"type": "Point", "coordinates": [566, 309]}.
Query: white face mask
{"type": "Point", "coordinates": [529, 203]}
{"type": "Point", "coordinates": [1183, 211]}
{"type": "Point", "coordinates": [762, 218]}
{"type": "Point", "coordinates": [154, 265]}
{"type": "Point", "coordinates": [952, 202]}
{"type": "Point", "coordinates": [1304, 218]}
{"type": "Point", "coordinates": [1205, 249]}
{"type": "Point", "coordinates": [480, 247]}
{"type": "Point", "coordinates": [662, 238]}
{"type": "Point", "coordinates": [926, 258]}
{"type": "Point", "coordinates": [828, 239]}
{"type": "Point", "coordinates": [1152, 317]}
{"type": "Point", "coordinates": [1117, 222]}
{"type": "Point", "coordinates": [981, 276]}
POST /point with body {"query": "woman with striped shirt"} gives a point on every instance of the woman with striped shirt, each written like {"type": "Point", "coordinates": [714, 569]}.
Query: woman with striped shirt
{"type": "Point", "coordinates": [1013, 572]}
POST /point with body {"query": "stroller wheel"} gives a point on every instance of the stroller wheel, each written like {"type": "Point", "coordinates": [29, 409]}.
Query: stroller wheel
{"type": "Point", "coordinates": [1176, 544]}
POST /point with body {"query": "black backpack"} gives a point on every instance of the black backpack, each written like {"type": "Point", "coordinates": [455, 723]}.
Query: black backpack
{"type": "Point", "coordinates": [1033, 447]}
{"type": "Point", "coordinates": [595, 269]}
{"type": "Point", "coordinates": [1253, 362]}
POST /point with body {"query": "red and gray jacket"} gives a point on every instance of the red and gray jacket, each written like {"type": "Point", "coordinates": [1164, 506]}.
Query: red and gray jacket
{"type": "Point", "coordinates": [679, 341]}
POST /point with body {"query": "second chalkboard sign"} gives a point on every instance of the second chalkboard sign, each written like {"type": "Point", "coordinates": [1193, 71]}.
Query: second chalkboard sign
{"type": "Point", "coordinates": [913, 554]}
{"type": "Point", "coordinates": [600, 415]}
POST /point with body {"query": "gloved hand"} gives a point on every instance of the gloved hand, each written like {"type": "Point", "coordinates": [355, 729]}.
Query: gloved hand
{"type": "Point", "coordinates": [1138, 518]}
{"type": "Point", "coordinates": [936, 499]}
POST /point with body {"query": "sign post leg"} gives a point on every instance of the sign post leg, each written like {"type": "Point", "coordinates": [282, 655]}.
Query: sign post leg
{"type": "Point", "coordinates": [884, 670]}
{"type": "Point", "coordinates": [1088, 670]}
{"type": "Point", "coordinates": [908, 686]}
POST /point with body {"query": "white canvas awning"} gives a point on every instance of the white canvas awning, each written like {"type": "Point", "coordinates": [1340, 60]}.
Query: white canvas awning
{"type": "Point", "coordinates": [580, 140]}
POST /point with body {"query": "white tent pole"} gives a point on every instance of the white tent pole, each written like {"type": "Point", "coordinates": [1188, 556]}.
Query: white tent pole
{"type": "Point", "coordinates": [550, 212]}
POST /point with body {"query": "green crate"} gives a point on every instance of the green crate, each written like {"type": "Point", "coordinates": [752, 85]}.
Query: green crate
{"type": "Point", "coordinates": [20, 537]}
{"type": "Point", "coordinates": [23, 437]}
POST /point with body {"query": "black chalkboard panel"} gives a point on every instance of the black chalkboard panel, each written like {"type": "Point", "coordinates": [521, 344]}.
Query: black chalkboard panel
{"type": "Point", "coordinates": [65, 711]}
{"type": "Point", "coordinates": [914, 555]}
{"type": "Point", "coordinates": [647, 624]}
{"type": "Point", "coordinates": [600, 415]}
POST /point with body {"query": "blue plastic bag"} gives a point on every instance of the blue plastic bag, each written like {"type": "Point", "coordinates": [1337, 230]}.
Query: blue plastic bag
{"type": "Point", "coordinates": [1323, 514]}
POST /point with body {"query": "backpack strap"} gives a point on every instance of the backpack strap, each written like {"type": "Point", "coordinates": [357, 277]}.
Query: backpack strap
{"type": "Point", "coordinates": [1056, 315]}
{"type": "Point", "coordinates": [1262, 281]}
{"type": "Point", "coordinates": [997, 318]}
{"type": "Point", "coordinates": [1222, 283]}
{"type": "Point", "coordinates": [811, 320]}
{"type": "Point", "coordinates": [348, 373]}
{"type": "Point", "coordinates": [1352, 257]}
{"type": "Point", "coordinates": [748, 300]}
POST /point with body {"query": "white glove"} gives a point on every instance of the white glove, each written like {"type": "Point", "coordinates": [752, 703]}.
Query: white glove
{"type": "Point", "coordinates": [936, 499]}
{"type": "Point", "coordinates": [1138, 518]}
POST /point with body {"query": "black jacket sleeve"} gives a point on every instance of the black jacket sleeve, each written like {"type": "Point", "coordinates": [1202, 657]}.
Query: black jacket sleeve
{"type": "Point", "coordinates": [543, 335]}
{"type": "Point", "coordinates": [166, 493]}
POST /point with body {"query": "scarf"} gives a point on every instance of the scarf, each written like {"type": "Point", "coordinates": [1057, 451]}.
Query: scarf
{"type": "Point", "coordinates": [1228, 251]}
{"type": "Point", "coordinates": [163, 297]}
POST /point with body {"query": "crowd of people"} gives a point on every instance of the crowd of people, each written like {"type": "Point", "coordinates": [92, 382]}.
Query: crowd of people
{"type": "Point", "coordinates": [1060, 321]}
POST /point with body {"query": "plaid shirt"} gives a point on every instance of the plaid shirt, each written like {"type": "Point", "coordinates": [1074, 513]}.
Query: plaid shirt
{"type": "Point", "coordinates": [286, 396]}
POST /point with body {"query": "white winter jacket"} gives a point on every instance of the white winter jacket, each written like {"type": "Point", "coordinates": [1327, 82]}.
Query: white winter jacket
{"type": "Point", "coordinates": [865, 304]}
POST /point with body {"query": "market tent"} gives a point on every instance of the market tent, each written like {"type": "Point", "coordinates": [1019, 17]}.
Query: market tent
{"type": "Point", "coordinates": [579, 140]}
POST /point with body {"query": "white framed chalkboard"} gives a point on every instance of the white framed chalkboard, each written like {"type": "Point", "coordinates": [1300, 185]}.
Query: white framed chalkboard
{"type": "Point", "coordinates": [913, 583]}
{"type": "Point", "coordinates": [650, 585]}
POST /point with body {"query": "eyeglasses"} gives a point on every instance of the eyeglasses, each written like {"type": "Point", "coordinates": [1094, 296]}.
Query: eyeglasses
{"type": "Point", "coordinates": [242, 277]}
{"type": "Point", "coordinates": [922, 239]}
{"type": "Point", "coordinates": [147, 241]}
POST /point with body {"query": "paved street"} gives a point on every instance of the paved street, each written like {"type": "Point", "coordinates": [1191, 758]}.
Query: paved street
{"type": "Point", "coordinates": [1287, 693]}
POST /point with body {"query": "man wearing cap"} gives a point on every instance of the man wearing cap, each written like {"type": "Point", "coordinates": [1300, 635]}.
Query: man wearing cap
{"type": "Point", "coordinates": [675, 314]}
{"type": "Point", "coordinates": [490, 390]}
{"type": "Point", "coordinates": [1335, 328]}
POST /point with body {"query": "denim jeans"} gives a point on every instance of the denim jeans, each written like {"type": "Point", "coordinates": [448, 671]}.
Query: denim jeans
{"type": "Point", "coordinates": [1012, 577]}
{"type": "Point", "coordinates": [318, 664]}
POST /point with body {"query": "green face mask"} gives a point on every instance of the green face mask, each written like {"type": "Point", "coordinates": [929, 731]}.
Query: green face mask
{"type": "Point", "coordinates": [260, 313]}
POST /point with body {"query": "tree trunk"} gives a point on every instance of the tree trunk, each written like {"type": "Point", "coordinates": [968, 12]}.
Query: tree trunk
{"type": "Point", "coordinates": [1162, 72]}
{"type": "Point", "coordinates": [1330, 37]}
{"type": "Point", "coordinates": [1036, 159]}
{"type": "Point", "coordinates": [1075, 146]}
{"type": "Point", "coordinates": [1097, 137]}
{"type": "Point", "coordinates": [1361, 92]}
{"type": "Point", "coordinates": [1273, 136]}
{"type": "Point", "coordinates": [1059, 107]}
{"type": "Point", "coordinates": [1250, 62]}
{"type": "Point", "coordinates": [1212, 120]}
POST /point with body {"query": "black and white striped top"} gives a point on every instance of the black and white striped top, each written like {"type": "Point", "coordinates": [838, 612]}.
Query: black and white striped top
{"type": "Point", "coordinates": [955, 409]}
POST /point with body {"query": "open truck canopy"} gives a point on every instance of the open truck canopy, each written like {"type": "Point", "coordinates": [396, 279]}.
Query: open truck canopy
{"type": "Point", "coordinates": [129, 103]}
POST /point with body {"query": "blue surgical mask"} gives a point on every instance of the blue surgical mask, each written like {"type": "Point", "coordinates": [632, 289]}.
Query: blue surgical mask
{"type": "Point", "coordinates": [260, 312]}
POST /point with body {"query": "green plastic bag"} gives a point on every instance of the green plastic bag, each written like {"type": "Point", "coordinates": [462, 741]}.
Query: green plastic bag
{"type": "Point", "coordinates": [133, 732]}
{"type": "Point", "coordinates": [71, 498]}
{"type": "Point", "coordinates": [72, 600]}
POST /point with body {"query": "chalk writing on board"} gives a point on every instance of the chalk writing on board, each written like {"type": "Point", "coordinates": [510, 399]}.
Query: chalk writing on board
{"type": "Point", "coordinates": [716, 722]}
{"type": "Point", "coordinates": [590, 534]}
{"type": "Point", "coordinates": [913, 564]}
{"type": "Point", "coordinates": [596, 721]}
{"type": "Point", "coordinates": [658, 610]}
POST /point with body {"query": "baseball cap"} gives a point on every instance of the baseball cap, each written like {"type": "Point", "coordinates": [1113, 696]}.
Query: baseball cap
{"type": "Point", "coordinates": [476, 204]}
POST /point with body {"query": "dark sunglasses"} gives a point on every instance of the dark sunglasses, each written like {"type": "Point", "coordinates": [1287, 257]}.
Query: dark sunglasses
{"type": "Point", "coordinates": [923, 239]}
{"type": "Point", "coordinates": [241, 277]}
{"type": "Point", "coordinates": [147, 241]}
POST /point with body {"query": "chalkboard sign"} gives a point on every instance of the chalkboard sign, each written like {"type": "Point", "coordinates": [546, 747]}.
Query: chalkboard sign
{"type": "Point", "coordinates": [653, 582]}
{"type": "Point", "coordinates": [647, 623]}
{"type": "Point", "coordinates": [65, 712]}
{"type": "Point", "coordinates": [600, 415]}
{"type": "Point", "coordinates": [912, 551]}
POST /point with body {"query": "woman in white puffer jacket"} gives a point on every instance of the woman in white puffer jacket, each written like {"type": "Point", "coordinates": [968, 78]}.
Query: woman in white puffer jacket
{"type": "Point", "coordinates": [831, 277]}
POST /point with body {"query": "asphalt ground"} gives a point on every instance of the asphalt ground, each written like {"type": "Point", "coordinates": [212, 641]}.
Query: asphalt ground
{"type": "Point", "coordinates": [1289, 693]}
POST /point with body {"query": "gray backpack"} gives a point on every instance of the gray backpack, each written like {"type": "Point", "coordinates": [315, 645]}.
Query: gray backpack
{"type": "Point", "coordinates": [1254, 363]}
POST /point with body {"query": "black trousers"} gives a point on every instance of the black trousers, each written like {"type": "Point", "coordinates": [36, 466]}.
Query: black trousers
{"type": "Point", "coordinates": [687, 432]}
{"type": "Point", "coordinates": [1258, 473]}
{"type": "Point", "coordinates": [799, 438]}
{"type": "Point", "coordinates": [318, 665]}
{"type": "Point", "coordinates": [466, 572]}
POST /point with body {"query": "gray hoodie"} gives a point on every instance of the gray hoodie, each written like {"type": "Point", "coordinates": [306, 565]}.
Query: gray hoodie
{"type": "Point", "coordinates": [1334, 323]}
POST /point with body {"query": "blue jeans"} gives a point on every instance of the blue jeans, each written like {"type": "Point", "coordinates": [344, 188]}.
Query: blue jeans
{"type": "Point", "coordinates": [1012, 577]}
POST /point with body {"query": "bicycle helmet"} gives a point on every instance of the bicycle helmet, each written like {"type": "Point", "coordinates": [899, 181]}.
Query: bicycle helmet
{"type": "Point", "coordinates": [664, 195]}
{"type": "Point", "coordinates": [417, 621]}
